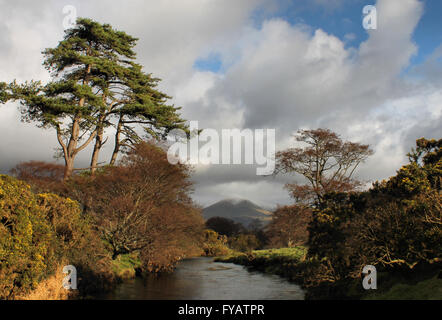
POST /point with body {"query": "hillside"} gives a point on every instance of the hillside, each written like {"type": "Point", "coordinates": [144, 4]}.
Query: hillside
{"type": "Point", "coordinates": [239, 210]}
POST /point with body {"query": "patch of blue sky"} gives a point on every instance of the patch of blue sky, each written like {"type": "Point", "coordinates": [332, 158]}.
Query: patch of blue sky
{"type": "Point", "coordinates": [343, 21]}
{"type": "Point", "coordinates": [428, 33]}
{"type": "Point", "coordinates": [211, 62]}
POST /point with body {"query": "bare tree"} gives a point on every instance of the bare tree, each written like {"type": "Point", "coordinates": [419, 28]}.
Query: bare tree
{"type": "Point", "coordinates": [326, 162]}
{"type": "Point", "coordinates": [288, 227]}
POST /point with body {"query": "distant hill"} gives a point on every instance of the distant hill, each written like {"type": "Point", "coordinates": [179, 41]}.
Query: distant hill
{"type": "Point", "coordinates": [239, 210]}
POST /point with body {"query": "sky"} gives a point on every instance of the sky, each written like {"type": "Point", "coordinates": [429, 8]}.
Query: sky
{"type": "Point", "coordinates": [258, 64]}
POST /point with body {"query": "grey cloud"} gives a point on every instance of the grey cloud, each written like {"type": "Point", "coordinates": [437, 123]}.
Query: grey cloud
{"type": "Point", "coordinates": [279, 76]}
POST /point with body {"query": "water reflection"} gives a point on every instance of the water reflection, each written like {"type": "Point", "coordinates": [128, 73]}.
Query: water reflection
{"type": "Point", "coordinates": [201, 278]}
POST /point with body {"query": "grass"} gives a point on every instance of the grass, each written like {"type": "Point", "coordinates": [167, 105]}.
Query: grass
{"type": "Point", "coordinates": [430, 289]}
{"type": "Point", "coordinates": [295, 254]}
{"type": "Point", "coordinates": [50, 289]}
{"type": "Point", "coordinates": [283, 261]}
{"type": "Point", "coordinates": [290, 254]}
{"type": "Point", "coordinates": [125, 265]}
{"type": "Point", "coordinates": [290, 263]}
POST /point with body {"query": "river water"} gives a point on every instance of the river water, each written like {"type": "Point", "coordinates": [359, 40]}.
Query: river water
{"type": "Point", "coordinates": [203, 279]}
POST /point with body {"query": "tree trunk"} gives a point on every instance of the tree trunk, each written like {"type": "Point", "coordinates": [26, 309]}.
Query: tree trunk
{"type": "Point", "coordinates": [98, 144]}
{"type": "Point", "coordinates": [69, 168]}
{"type": "Point", "coordinates": [71, 149]}
{"type": "Point", "coordinates": [72, 145]}
{"type": "Point", "coordinates": [96, 152]}
{"type": "Point", "coordinates": [117, 141]}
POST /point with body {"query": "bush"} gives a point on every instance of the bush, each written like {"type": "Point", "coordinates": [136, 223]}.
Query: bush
{"type": "Point", "coordinates": [244, 242]}
{"type": "Point", "coordinates": [37, 232]}
{"type": "Point", "coordinates": [27, 241]}
{"type": "Point", "coordinates": [395, 226]}
{"type": "Point", "coordinates": [79, 243]}
{"type": "Point", "coordinates": [215, 244]}
{"type": "Point", "coordinates": [224, 226]}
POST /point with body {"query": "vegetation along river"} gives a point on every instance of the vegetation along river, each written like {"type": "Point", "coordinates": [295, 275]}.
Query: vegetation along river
{"type": "Point", "coordinates": [201, 278]}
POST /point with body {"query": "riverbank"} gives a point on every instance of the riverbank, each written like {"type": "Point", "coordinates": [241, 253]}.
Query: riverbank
{"type": "Point", "coordinates": [425, 283]}
{"type": "Point", "coordinates": [202, 279]}
{"type": "Point", "coordinates": [275, 261]}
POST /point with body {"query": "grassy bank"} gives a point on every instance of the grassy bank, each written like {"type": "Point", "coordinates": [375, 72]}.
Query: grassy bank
{"type": "Point", "coordinates": [290, 263]}
{"type": "Point", "coordinates": [125, 266]}
{"type": "Point", "coordinates": [430, 289]}
{"type": "Point", "coordinates": [50, 289]}
{"type": "Point", "coordinates": [276, 261]}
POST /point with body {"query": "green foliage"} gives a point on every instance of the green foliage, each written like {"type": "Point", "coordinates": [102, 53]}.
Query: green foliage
{"type": "Point", "coordinates": [293, 254]}
{"type": "Point", "coordinates": [96, 83]}
{"type": "Point", "coordinates": [289, 254]}
{"type": "Point", "coordinates": [285, 262]}
{"type": "Point", "coordinates": [430, 289]}
{"type": "Point", "coordinates": [224, 226]}
{"type": "Point", "coordinates": [3, 93]}
{"type": "Point", "coordinates": [38, 231]}
{"type": "Point", "coordinates": [244, 242]}
{"type": "Point", "coordinates": [125, 265]}
{"type": "Point", "coordinates": [27, 241]}
{"type": "Point", "coordinates": [395, 226]}
{"type": "Point", "coordinates": [215, 244]}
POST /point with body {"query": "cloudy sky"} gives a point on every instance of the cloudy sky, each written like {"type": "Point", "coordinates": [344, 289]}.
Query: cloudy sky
{"type": "Point", "coordinates": [279, 64]}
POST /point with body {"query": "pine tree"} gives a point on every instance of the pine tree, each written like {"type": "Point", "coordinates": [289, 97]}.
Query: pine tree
{"type": "Point", "coordinates": [3, 92]}
{"type": "Point", "coordinates": [96, 82]}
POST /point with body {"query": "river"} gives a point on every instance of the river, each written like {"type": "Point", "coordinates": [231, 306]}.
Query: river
{"type": "Point", "coordinates": [203, 279]}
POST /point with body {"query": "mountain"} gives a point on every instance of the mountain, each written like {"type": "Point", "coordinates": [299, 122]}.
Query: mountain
{"type": "Point", "coordinates": [239, 210]}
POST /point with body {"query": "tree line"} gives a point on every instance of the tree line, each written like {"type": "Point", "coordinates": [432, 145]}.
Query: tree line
{"type": "Point", "coordinates": [396, 225]}
{"type": "Point", "coordinates": [136, 204]}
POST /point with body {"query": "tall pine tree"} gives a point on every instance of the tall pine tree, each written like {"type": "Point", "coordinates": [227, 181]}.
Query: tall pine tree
{"type": "Point", "coordinates": [96, 84]}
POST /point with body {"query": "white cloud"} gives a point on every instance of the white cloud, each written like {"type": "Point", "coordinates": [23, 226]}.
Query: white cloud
{"type": "Point", "coordinates": [279, 76]}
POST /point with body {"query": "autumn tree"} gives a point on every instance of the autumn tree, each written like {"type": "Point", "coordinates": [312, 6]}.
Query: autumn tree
{"type": "Point", "coordinates": [327, 163]}
{"type": "Point", "coordinates": [42, 176]}
{"type": "Point", "coordinates": [224, 226]}
{"type": "Point", "coordinates": [142, 205]}
{"type": "Point", "coordinates": [288, 227]}
{"type": "Point", "coordinates": [95, 81]}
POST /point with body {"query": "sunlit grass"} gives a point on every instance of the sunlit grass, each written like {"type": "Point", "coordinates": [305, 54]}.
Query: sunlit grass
{"type": "Point", "coordinates": [430, 289]}
{"type": "Point", "coordinates": [294, 254]}
{"type": "Point", "coordinates": [124, 266]}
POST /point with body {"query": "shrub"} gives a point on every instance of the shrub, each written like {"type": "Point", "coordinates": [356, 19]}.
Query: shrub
{"type": "Point", "coordinates": [244, 242]}
{"type": "Point", "coordinates": [215, 244]}
{"type": "Point", "coordinates": [27, 241]}
{"type": "Point", "coordinates": [78, 243]}
{"type": "Point", "coordinates": [37, 232]}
